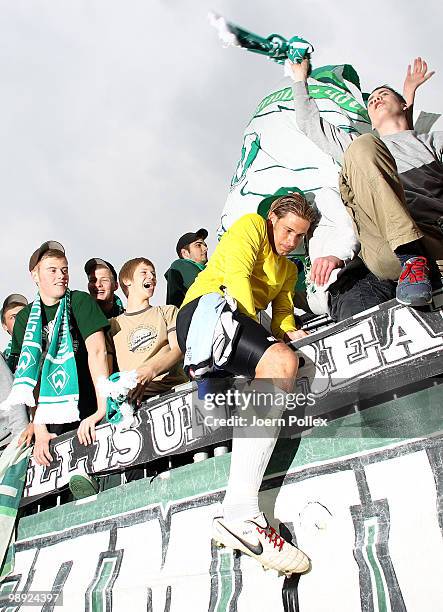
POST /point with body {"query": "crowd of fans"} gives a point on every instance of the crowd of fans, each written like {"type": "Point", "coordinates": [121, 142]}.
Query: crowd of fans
{"type": "Point", "coordinates": [106, 336]}
{"type": "Point", "coordinates": [66, 340]}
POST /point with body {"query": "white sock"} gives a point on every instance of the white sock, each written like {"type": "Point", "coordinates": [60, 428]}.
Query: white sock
{"type": "Point", "coordinates": [251, 451]}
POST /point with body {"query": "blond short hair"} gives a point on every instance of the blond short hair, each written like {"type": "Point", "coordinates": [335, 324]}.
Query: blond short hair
{"type": "Point", "coordinates": [293, 203]}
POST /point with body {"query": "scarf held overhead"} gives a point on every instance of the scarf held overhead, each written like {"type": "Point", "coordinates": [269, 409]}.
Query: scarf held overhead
{"type": "Point", "coordinates": [58, 397]}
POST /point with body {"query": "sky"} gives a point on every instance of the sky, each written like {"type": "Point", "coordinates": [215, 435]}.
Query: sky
{"type": "Point", "coordinates": [121, 122]}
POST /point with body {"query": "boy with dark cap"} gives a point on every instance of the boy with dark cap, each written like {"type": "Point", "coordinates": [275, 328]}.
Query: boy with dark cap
{"type": "Point", "coordinates": [59, 344]}
{"type": "Point", "coordinates": [102, 285]}
{"type": "Point", "coordinates": [193, 255]}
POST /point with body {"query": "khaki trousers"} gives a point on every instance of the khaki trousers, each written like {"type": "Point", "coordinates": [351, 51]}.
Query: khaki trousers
{"type": "Point", "coordinates": [372, 193]}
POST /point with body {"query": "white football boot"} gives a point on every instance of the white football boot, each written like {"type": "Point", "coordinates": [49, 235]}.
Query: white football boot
{"type": "Point", "coordinates": [256, 538]}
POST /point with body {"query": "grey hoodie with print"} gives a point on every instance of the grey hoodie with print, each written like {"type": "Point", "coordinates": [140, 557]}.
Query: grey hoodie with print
{"type": "Point", "coordinates": [419, 159]}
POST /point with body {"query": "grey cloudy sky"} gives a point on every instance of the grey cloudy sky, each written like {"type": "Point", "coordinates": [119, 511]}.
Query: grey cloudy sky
{"type": "Point", "coordinates": [122, 121]}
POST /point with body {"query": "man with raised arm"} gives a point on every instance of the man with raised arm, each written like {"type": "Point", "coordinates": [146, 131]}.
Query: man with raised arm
{"type": "Point", "coordinates": [249, 265]}
{"type": "Point", "coordinates": [392, 187]}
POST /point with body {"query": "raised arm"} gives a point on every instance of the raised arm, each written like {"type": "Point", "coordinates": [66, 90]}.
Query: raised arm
{"type": "Point", "coordinates": [416, 74]}
{"type": "Point", "coordinates": [330, 139]}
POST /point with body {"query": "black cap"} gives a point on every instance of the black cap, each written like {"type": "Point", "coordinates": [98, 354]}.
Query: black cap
{"type": "Point", "coordinates": [190, 237]}
{"type": "Point", "coordinates": [95, 262]}
{"type": "Point", "coordinates": [50, 245]}
{"type": "Point", "coordinates": [14, 298]}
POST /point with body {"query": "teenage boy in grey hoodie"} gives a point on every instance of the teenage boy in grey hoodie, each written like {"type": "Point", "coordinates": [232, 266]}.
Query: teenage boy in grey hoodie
{"type": "Point", "coordinates": [392, 187]}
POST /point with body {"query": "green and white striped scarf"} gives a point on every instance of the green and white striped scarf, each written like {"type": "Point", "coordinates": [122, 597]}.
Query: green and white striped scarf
{"type": "Point", "coordinates": [58, 398]}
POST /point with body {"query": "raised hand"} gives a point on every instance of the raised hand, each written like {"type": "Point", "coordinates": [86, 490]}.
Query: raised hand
{"type": "Point", "coordinates": [300, 71]}
{"type": "Point", "coordinates": [417, 74]}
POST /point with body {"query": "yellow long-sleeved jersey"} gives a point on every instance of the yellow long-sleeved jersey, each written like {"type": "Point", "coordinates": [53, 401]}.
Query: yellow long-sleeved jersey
{"type": "Point", "coordinates": [253, 274]}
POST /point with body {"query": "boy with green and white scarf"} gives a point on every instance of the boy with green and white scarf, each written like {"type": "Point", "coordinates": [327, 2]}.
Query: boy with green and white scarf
{"type": "Point", "coordinates": [59, 344]}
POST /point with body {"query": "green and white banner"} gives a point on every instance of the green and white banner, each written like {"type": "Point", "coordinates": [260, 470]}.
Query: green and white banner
{"type": "Point", "coordinates": [365, 509]}
{"type": "Point", "coordinates": [361, 496]}
{"type": "Point", "coordinates": [277, 158]}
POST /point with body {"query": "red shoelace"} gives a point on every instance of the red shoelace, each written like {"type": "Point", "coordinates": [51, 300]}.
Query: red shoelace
{"type": "Point", "coordinates": [273, 536]}
{"type": "Point", "coordinates": [415, 270]}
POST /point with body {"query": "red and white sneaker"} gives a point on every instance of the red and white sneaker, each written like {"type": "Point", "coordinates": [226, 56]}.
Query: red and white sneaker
{"type": "Point", "coordinates": [256, 538]}
{"type": "Point", "coordinates": [414, 285]}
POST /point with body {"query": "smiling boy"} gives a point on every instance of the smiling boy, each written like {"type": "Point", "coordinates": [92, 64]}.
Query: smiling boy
{"type": "Point", "coordinates": [59, 342]}
{"type": "Point", "coordinates": [102, 285]}
{"type": "Point", "coordinates": [144, 336]}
